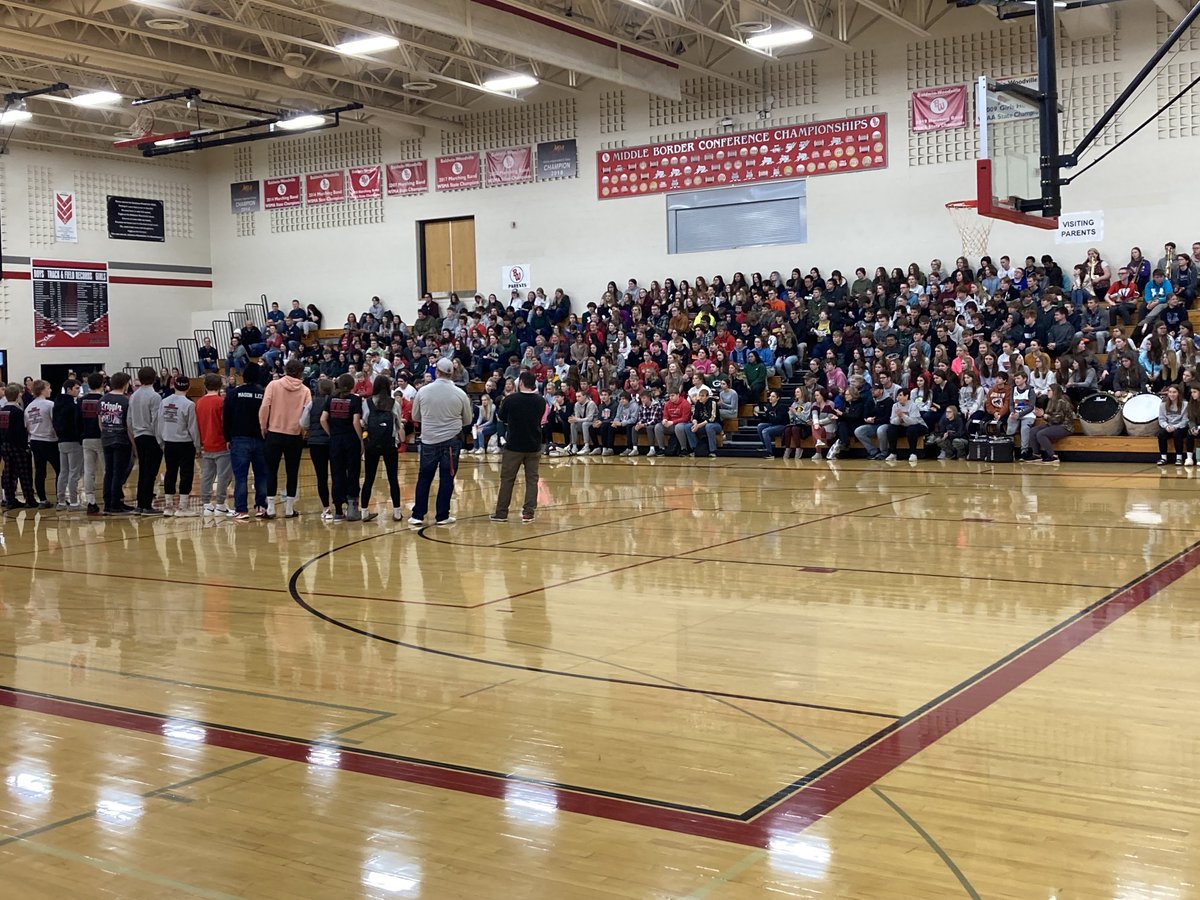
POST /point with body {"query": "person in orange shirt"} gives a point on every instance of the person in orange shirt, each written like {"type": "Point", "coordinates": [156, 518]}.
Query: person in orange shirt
{"type": "Point", "coordinates": [214, 449]}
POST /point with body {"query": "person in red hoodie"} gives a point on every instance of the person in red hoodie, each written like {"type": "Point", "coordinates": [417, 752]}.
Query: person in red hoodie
{"type": "Point", "coordinates": [677, 411]}
{"type": "Point", "coordinates": [283, 402]}
{"type": "Point", "coordinates": [214, 449]}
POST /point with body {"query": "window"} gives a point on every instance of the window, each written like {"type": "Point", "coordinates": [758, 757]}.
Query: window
{"type": "Point", "coordinates": [752, 215]}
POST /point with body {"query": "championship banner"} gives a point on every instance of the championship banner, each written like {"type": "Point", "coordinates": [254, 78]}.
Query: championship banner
{"type": "Point", "coordinates": [512, 166]}
{"type": "Point", "coordinates": [937, 108]}
{"type": "Point", "coordinates": [794, 151]}
{"type": "Point", "coordinates": [66, 220]}
{"type": "Point", "coordinates": [454, 173]}
{"type": "Point", "coordinates": [408, 178]}
{"type": "Point", "coordinates": [366, 183]}
{"type": "Point", "coordinates": [70, 303]}
{"type": "Point", "coordinates": [245, 197]}
{"type": "Point", "coordinates": [281, 193]}
{"type": "Point", "coordinates": [557, 159]}
{"type": "Point", "coordinates": [324, 187]}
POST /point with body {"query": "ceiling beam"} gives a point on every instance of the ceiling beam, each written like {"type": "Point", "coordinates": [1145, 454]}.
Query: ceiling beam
{"type": "Point", "coordinates": [515, 28]}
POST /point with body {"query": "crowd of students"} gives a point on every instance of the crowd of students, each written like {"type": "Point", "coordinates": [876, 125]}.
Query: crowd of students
{"type": "Point", "coordinates": [899, 356]}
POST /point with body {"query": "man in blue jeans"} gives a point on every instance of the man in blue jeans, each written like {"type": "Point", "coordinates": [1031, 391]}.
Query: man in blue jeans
{"type": "Point", "coordinates": [247, 449]}
{"type": "Point", "coordinates": [443, 410]}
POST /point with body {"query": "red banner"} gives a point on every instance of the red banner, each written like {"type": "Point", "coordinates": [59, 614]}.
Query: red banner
{"type": "Point", "coordinates": [936, 108]}
{"type": "Point", "coordinates": [408, 178]}
{"type": "Point", "coordinates": [453, 173]}
{"type": "Point", "coordinates": [70, 303]}
{"type": "Point", "coordinates": [818, 148]}
{"type": "Point", "coordinates": [281, 193]}
{"type": "Point", "coordinates": [511, 166]}
{"type": "Point", "coordinates": [325, 187]}
{"type": "Point", "coordinates": [366, 183]}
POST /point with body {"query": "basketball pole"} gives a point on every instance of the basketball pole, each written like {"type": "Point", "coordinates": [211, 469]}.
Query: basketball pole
{"type": "Point", "coordinates": [1051, 202]}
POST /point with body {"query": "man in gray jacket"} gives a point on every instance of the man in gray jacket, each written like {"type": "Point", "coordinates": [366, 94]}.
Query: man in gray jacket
{"type": "Point", "coordinates": [443, 410]}
{"type": "Point", "coordinates": [145, 407]}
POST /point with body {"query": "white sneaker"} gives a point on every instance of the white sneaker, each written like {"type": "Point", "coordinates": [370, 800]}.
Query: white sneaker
{"type": "Point", "coordinates": [187, 511]}
{"type": "Point", "coordinates": [820, 444]}
{"type": "Point", "coordinates": [415, 521]}
{"type": "Point", "coordinates": [168, 510]}
{"type": "Point", "coordinates": [1187, 460]}
{"type": "Point", "coordinates": [912, 457]}
{"type": "Point", "coordinates": [449, 520]}
{"type": "Point", "coordinates": [891, 457]}
{"type": "Point", "coordinates": [942, 455]}
{"type": "Point", "coordinates": [327, 513]}
{"type": "Point", "coordinates": [1178, 460]}
{"type": "Point", "coordinates": [599, 451]}
{"type": "Point", "coordinates": [818, 455]}
{"type": "Point", "coordinates": [1162, 460]}
{"type": "Point", "coordinates": [571, 451]}
{"type": "Point", "coordinates": [397, 515]}
{"type": "Point", "coordinates": [835, 449]}
{"type": "Point", "coordinates": [209, 509]}
{"type": "Point", "coordinates": [629, 452]}
{"type": "Point", "coordinates": [607, 452]}
{"type": "Point", "coordinates": [223, 510]}
{"type": "Point", "coordinates": [653, 452]}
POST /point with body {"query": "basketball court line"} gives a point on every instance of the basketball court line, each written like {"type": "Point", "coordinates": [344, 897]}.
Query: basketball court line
{"type": "Point", "coordinates": [790, 811]}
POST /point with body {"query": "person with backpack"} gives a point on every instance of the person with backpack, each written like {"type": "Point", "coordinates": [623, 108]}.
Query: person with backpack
{"type": "Point", "coordinates": [342, 421]}
{"type": "Point", "coordinates": [382, 435]}
{"type": "Point", "coordinates": [318, 441]}
{"type": "Point", "coordinates": [68, 425]}
{"type": "Point", "coordinates": [283, 402]}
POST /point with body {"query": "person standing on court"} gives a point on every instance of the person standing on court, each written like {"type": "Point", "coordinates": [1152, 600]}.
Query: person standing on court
{"type": "Point", "coordinates": [283, 402]}
{"type": "Point", "coordinates": [179, 434]}
{"type": "Point", "coordinates": [92, 440]}
{"type": "Point", "coordinates": [145, 406]}
{"type": "Point", "coordinates": [68, 426]}
{"type": "Point", "coordinates": [246, 449]}
{"type": "Point", "coordinates": [521, 414]}
{"type": "Point", "coordinates": [443, 410]}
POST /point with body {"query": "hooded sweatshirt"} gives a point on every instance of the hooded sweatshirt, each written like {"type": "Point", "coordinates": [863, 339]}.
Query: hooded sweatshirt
{"type": "Point", "coordinates": [283, 402]}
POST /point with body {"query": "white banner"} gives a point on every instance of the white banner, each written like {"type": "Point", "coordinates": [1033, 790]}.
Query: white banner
{"type": "Point", "coordinates": [515, 277]}
{"type": "Point", "coordinates": [66, 219]}
{"type": "Point", "coordinates": [1009, 107]}
{"type": "Point", "coordinates": [1081, 228]}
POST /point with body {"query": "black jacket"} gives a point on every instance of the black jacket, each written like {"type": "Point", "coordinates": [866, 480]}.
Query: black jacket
{"type": "Point", "coordinates": [242, 404]}
{"type": "Point", "coordinates": [67, 419]}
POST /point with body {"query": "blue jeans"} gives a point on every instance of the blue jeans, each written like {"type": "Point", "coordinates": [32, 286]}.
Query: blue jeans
{"type": "Point", "coordinates": [236, 364]}
{"type": "Point", "coordinates": [208, 365]}
{"type": "Point", "coordinates": [485, 434]}
{"type": "Point", "coordinates": [711, 429]}
{"type": "Point", "coordinates": [442, 460]}
{"type": "Point", "coordinates": [246, 453]}
{"type": "Point", "coordinates": [768, 433]}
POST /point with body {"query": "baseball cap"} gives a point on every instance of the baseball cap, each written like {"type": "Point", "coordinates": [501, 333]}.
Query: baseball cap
{"type": "Point", "coordinates": [445, 366]}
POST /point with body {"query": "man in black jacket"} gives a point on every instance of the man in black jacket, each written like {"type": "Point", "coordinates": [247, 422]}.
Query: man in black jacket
{"type": "Point", "coordinates": [521, 414]}
{"type": "Point", "coordinates": [247, 449]}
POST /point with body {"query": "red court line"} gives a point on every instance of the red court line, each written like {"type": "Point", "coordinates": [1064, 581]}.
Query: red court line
{"type": "Point", "coordinates": [838, 781]}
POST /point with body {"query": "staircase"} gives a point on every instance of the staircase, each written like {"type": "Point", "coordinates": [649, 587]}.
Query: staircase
{"type": "Point", "coordinates": [744, 442]}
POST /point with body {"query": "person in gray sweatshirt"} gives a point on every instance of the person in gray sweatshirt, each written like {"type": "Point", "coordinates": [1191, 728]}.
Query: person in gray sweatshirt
{"type": "Point", "coordinates": [43, 440]}
{"type": "Point", "coordinates": [906, 421]}
{"type": "Point", "coordinates": [179, 435]}
{"type": "Point", "coordinates": [145, 406]}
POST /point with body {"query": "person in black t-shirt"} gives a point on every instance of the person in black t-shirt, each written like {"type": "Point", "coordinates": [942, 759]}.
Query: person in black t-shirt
{"type": "Point", "coordinates": [522, 415]}
{"type": "Point", "coordinates": [342, 421]}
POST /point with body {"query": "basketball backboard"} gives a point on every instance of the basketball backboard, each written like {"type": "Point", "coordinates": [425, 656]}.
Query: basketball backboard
{"type": "Point", "coordinates": [1008, 169]}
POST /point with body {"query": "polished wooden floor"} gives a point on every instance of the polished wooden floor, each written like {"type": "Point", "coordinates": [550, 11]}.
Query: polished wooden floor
{"type": "Point", "coordinates": [724, 678]}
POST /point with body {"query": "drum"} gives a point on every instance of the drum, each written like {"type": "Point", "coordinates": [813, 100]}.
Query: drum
{"type": "Point", "coordinates": [1141, 415]}
{"type": "Point", "coordinates": [1101, 414]}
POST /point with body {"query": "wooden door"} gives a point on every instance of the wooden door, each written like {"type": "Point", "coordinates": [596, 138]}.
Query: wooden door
{"type": "Point", "coordinates": [448, 256]}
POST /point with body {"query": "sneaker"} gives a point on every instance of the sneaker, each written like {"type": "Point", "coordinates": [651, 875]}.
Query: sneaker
{"type": "Point", "coordinates": [449, 520]}
{"type": "Point", "coordinates": [526, 520]}
{"type": "Point", "coordinates": [168, 510]}
{"type": "Point", "coordinates": [1187, 460]}
{"type": "Point", "coordinates": [1178, 460]}
{"type": "Point", "coordinates": [629, 452]}
{"type": "Point", "coordinates": [607, 452]}
{"type": "Point", "coordinates": [119, 511]}
{"type": "Point", "coordinates": [368, 516]}
{"type": "Point", "coordinates": [912, 457]}
{"type": "Point", "coordinates": [222, 509]}
{"type": "Point", "coordinates": [891, 457]}
{"type": "Point", "coordinates": [495, 518]}
{"type": "Point", "coordinates": [45, 504]}
{"type": "Point", "coordinates": [209, 509]}
{"type": "Point", "coordinates": [942, 455]}
{"type": "Point", "coordinates": [339, 517]}
{"type": "Point", "coordinates": [187, 511]}
{"type": "Point", "coordinates": [599, 451]}
{"type": "Point", "coordinates": [768, 454]}
{"type": "Point", "coordinates": [835, 449]}
{"type": "Point", "coordinates": [818, 455]}
{"type": "Point", "coordinates": [653, 452]}
{"type": "Point", "coordinates": [413, 520]}
{"type": "Point", "coordinates": [241, 517]}
{"type": "Point", "coordinates": [327, 513]}
{"type": "Point", "coordinates": [397, 515]}
{"type": "Point", "coordinates": [74, 507]}
{"type": "Point", "coordinates": [788, 452]}
{"type": "Point", "coordinates": [1162, 460]}
{"type": "Point", "coordinates": [571, 451]}
{"type": "Point", "coordinates": [60, 507]}
{"type": "Point", "coordinates": [820, 444]}
{"type": "Point", "coordinates": [93, 509]}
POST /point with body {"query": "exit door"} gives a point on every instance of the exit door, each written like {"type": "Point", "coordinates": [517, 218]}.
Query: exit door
{"type": "Point", "coordinates": [448, 256]}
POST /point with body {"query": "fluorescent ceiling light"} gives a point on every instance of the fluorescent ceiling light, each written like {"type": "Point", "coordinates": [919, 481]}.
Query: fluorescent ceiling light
{"type": "Point", "coordinates": [96, 98]}
{"type": "Point", "coordinates": [169, 142]}
{"type": "Point", "coordinates": [371, 44]}
{"type": "Point", "coordinates": [299, 123]}
{"type": "Point", "coordinates": [510, 82]}
{"type": "Point", "coordinates": [15, 117]}
{"type": "Point", "coordinates": [771, 39]}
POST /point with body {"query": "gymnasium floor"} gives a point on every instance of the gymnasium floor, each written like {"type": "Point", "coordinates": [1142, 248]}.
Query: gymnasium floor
{"type": "Point", "coordinates": [730, 678]}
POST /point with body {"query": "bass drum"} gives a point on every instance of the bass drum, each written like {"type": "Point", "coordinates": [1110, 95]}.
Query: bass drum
{"type": "Point", "coordinates": [1140, 413]}
{"type": "Point", "coordinates": [1100, 414]}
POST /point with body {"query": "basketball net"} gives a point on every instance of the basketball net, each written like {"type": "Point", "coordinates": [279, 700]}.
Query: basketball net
{"type": "Point", "coordinates": [973, 228]}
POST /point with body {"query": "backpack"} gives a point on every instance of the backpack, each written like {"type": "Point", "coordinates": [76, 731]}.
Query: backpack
{"type": "Point", "coordinates": [380, 428]}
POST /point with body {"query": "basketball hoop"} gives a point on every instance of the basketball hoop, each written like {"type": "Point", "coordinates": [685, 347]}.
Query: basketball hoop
{"type": "Point", "coordinates": [973, 228]}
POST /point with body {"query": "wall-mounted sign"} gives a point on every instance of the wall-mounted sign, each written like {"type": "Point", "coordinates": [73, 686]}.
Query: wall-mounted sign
{"type": "Point", "coordinates": [557, 159]}
{"type": "Point", "coordinates": [66, 219]}
{"type": "Point", "coordinates": [325, 187]}
{"type": "Point", "coordinates": [941, 107]}
{"type": "Point", "coordinates": [245, 197]}
{"type": "Point", "coordinates": [511, 166]}
{"type": "Point", "coordinates": [408, 178]}
{"type": "Point", "coordinates": [281, 193]}
{"type": "Point", "coordinates": [819, 148]}
{"type": "Point", "coordinates": [454, 173]}
{"type": "Point", "coordinates": [366, 183]}
{"type": "Point", "coordinates": [136, 219]}
{"type": "Point", "coordinates": [515, 277]}
{"type": "Point", "coordinates": [70, 303]}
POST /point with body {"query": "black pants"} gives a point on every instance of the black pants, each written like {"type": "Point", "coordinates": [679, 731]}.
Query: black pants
{"type": "Point", "coordinates": [345, 463]}
{"type": "Point", "coordinates": [149, 457]}
{"type": "Point", "coordinates": [116, 470]}
{"type": "Point", "coordinates": [1179, 437]}
{"type": "Point", "coordinates": [608, 434]}
{"type": "Point", "coordinates": [319, 454]}
{"type": "Point", "coordinates": [372, 466]}
{"type": "Point", "coordinates": [181, 464]}
{"type": "Point", "coordinates": [289, 448]}
{"type": "Point", "coordinates": [912, 433]}
{"type": "Point", "coordinates": [44, 452]}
